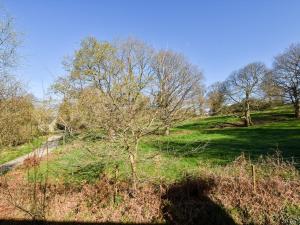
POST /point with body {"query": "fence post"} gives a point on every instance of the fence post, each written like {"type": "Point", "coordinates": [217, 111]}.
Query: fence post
{"type": "Point", "coordinates": [253, 177]}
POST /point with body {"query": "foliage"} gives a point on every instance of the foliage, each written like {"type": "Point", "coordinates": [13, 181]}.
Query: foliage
{"type": "Point", "coordinates": [16, 120]}
{"type": "Point", "coordinates": [216, 98]}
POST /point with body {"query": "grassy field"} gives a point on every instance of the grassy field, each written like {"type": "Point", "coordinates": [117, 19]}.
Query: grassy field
{"type": "Point", "coordinates": [200, 142]}
{"type": "Point", "coordinates": [273, 130]}
{"type": "Point", "coordinates": [9, 153]}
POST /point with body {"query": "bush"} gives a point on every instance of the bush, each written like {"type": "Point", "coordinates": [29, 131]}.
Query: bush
{"type": "Point", "coordinates": [16, 121]}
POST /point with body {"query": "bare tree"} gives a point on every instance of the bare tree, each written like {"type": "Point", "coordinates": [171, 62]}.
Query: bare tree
{"type": "Point", "coordinates": [10, 87]}
{"type": "Point", "coordinates": [286, 70]}
{"type": "Point", "coordinates": [216, 97]}
{"type": "Point", "coordinates": [9, 41]}
{"type": "Point", "coordinates": [177, 83]}
{"type": "Point", "coordinates": [244, 84]}
{"type": "Point", "coordinates": [198, 100]}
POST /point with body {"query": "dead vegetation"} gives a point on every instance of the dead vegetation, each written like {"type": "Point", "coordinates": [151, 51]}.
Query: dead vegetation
{"type": "Point", "coordinates": [264, 197]}
{"type": "Point", "coordinates": [230, 195]}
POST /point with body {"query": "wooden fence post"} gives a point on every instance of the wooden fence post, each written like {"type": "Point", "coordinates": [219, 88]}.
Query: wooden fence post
{"type": "Point", "coordinates": [253, 177]}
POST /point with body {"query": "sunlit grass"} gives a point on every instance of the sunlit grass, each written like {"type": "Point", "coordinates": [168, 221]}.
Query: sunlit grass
{"type": "Point", "coordinates": [9, 153]}
{"type": "Point", "coordinates": [195, 143]}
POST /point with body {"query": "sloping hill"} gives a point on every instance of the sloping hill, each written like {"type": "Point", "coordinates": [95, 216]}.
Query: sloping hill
{"type": "Point", "coordinates": [207, 142]}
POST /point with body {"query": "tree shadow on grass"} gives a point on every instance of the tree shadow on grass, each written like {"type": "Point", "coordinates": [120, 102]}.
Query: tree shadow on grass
{"type": "Point", "coordinates": [252, 141]}
{"type": "Point", "coordinates": [259, 141]}
{"type": "Point", "coordinates": [181, 149]}
{"type": "Point", "coordinates": [188, 203]}
{"type": "Point", "coordinates": [231, 121]}
{"type": "Point", "coordinates": [264, 118]}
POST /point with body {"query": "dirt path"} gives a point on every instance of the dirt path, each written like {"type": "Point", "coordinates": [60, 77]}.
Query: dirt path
{"type": "Point", "coordinates": [47, 147]}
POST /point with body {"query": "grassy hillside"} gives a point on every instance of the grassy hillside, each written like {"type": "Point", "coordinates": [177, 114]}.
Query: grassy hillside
{"type": "Point", "coordinates": [274, 129]}
{"type": "Point", "coordinates": [200, 142]}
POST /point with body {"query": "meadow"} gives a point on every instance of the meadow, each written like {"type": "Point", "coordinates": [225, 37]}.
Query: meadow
{"type": "Point", "coordinates": [210, 142]}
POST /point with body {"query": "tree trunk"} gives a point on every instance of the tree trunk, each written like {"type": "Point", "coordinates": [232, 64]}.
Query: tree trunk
{"type": "Point", "coordinates": [167, 130]}
{"type": "Point", "coordinates": [270, 101]}
{"type": "Point", "coordinates": [132, 158]}
{"type": "Point", "coordinates": [111, 134]}
{"type": "Point", "coordinates": [247, 120]}
{"type": "Point", "coordinates": [297, 109]}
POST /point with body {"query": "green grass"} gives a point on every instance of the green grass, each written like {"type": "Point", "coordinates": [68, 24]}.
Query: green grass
{"type": "Point", "coordinates": [10, 153]}
{"type": "Point", "coordinates": [192, 144]}
{"type": "Point", "coordinates": [272, 131]}
{"type": "Point", "coordinates": [73, 165]}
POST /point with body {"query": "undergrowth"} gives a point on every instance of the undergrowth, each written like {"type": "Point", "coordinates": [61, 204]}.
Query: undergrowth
{"type": "Point", "coordinates": [219, 195]}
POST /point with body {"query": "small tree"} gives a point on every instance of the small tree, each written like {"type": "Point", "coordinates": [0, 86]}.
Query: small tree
{"type": "Point", "coordinates": [216, 97]}
{"type": "Point", "coordinates": [177, 83]}
{"type": "Point", "coordinates": [16, 112]}
{"type": "Point", "coordinates": [244, 84]}
{"type": "Point", "coordinates": [116, 92]}
{"type": "Point", "coordinates": [286, 74]}
{"type": "Point", "coordinates": [16, 119]}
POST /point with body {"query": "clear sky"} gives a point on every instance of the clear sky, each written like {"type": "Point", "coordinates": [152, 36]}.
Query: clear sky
{"type": "Point", "coordinates": [217, 35]}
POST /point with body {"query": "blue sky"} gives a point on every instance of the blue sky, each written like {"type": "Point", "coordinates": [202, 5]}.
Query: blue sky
{"type": "Point", "coordinates": [218, 36]}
